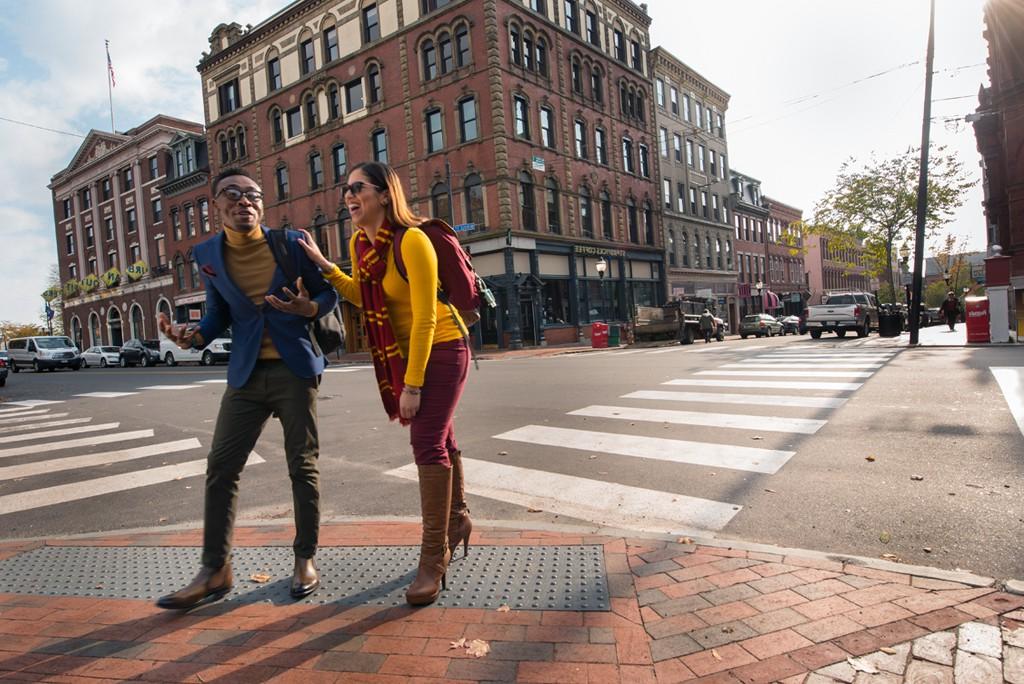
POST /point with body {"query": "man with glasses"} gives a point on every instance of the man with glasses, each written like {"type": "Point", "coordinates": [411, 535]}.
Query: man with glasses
{"type": "Point", "coordinates": [274, 371]}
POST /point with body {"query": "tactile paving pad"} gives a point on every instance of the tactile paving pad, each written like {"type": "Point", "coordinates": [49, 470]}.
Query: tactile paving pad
{"type": "Point", "coordinates": [521, 577]}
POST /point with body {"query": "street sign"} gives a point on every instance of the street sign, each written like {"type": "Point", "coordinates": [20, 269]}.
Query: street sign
{"type": "Point", "coordinates": [538, 163]}
{"type": "Point", "coordinates": [463, 226]}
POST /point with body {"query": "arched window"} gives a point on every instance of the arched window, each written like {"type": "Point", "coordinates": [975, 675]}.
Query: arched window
{"type": "Point", "coordinates": [333, 103]}
{"type": "Point", "coordinates": [76, 332]}
{"type": "Point", "coordinates": [696, 251]}
{"type": "Point", "coordinates": [640, 105]}
{"type": "Point", "coordinates": [114, 330]}
{"type": "Point", "coordinates": [241, 143]}
{"type": "Point", "coordinates": [95, 334]}
{"type": "Point", "coordinates": [310, 107]}
{"type": "Point", "coordinates": [138, 332]}
{"type": "Point", "coordinates": [632, 221]}
{"type": "Point", "coordinates": [596, 87]}
{"type": "Point", "coordinates": [444, 44]}
{"type": "Point", "coordinates": [374, 84]}
{"type": "Point", "coordinates": [586, 213]}
{"type": "Point", "coordinates": [316, 171]}
{"type": "Point", "coordinates": [193, 273]}
{"type": "Point", "coordinates": [179, 271]}
{"type": "Point", "coordinates": [554, 205]}
{"type": "Point", "coordinates": [577, 76]}
{"type": "Point", "coordinates": [728, 254]}
{"type": "Point", "coordinates": [440, 203]}
{"type": "Point", "coordinates": [344, 233]}
{"type": "Point", "coordinates": [542, 57]}
{"type": "Point", "coordinates": [671, 247]}
{"type": "Point", "coordinates": [648, 223]}
{"type": "Point", "coordinates": [707, 251]}
{"type": "Point", "coordinates": [527, 202]}
{"type": "Point", "coordinates": [514, 45]}
{"type": "Point", "coordinates": [684, 247]}
{"type": "Point", "coordinates": [339, 162]}
{"type": "Point", "coordinates": [718, 253]}
{"type": "Point", "coordinates": [474, 190]}
{"type": "Point", "coordinates": [223, 140]}
{"type": "Point", "coordinates": [462, 54]}
{"type": "Point", "coordinates": [277, 125]}
{"type": "Point", "coordinates": [606, 216]}
{"type": "Point", "coordinates": [320, 235]}
{"type": "Point", "coordinates": [232, 146]}
{"type": "Point", "coordinates": [527, 50]}
{"type": "Point", "coordinates": [429, 60]}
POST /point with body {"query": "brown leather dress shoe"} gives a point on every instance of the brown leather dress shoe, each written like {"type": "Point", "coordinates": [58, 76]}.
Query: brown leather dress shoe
{"type": "Point", "coordinates": [305, 578]}
{"type": "Point", "coordinates": [211, 584]}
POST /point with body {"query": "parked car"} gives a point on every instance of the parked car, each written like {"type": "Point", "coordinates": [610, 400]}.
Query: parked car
{"type": "Point", "coordinates": [793, 324]}
{"type": "Point", "coordinates": [4, 360]}
{"type": "Point", "coordinates": [842, 312]}
{"type": "Point", "coordinates": [43, 352]}
{"type": "Point", "coordinates": [145, 352]}
{"type": "Point", "coordinates": [760, 325]}
{"type": "Point", "coordinates": [216, 352]}
{"type": "Point", "coordinates": [101, 356]}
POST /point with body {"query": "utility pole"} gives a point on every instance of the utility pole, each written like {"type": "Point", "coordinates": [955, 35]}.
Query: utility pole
{"type": "Point", "coordinates": [922, 184]}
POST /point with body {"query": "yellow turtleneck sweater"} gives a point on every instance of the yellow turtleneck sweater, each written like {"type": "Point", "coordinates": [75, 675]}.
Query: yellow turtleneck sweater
{"type": "Point", "coordinates": [251, 265]}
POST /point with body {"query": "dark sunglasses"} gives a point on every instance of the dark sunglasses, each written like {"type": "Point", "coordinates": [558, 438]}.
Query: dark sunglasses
{"type": "Point", "coordinates": [234, 194]}
{"type": "Point", "coordinates": [356, 188]}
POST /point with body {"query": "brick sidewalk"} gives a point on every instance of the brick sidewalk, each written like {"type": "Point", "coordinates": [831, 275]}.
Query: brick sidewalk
{"type": "Point", "coordinates": [680, 611]}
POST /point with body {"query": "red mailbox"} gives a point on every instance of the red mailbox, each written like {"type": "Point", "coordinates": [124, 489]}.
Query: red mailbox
{"type": "Point", "coordinates": [599, 335]}
{"type": "Point", "coordinates": [976, 313]}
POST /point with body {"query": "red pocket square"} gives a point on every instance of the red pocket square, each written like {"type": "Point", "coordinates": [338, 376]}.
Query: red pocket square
{"type": "Point", "coordinates": [208, 270]}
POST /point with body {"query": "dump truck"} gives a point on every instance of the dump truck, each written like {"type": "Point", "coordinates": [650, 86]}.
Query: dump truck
{"type": "Point", "coordinates": [679, 320]}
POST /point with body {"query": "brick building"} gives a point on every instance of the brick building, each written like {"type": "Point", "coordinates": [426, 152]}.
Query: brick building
{"type": "Point", "coordinates": [692, 155]}
{"type": "Point", "coordinates": [750, 217]}
{"type": "Point", "coordinates": [121, 261]}
{"type": "Point", "coordinates": [784, 270]}
{"type": "Point", "coordinates": [999, 129]}
{"type": "Point", "coordinates": [829, 268]}
{"type": "Point", "coordinates": [528, 122]}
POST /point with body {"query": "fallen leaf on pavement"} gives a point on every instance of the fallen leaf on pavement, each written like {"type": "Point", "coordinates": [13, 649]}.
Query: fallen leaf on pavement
{"type": "Point", "coordinates": [714, 654]}
{"type": "Point", "coordinates": [685, 540]}
{"type": "Point", "coordinates": [259, 577]}
{"type": "Point", "coordinates": [461, 643]}
{"type": "Point", "coordinates": [592, 456]}
{"type": "Point", "coordinates": [917, 478]}
{"type": "Point", "coordinates": [888, 651]}
{"type": "Point", "coordinates": [770, 491]}
{"type": "Point", "coordinates": [534, 510]}
{"type": "Point", "coordinates": [885, 537]}
{"type": "Point", "coordinates": [861, 666]}
{"type": "Point", "coordinates": [757, 437]}
{"type": "Point", "coordinates": [503, 453]}
{"type": "Point", "coordinates": [478, 648]}
{"type": "Point", "coordinates": [927, 549]}
{"type": "Point", "coordinates": [892, 557]}
{"type": "Point", "coordinates": [869, 458]}
{"type": "Point", "coordinates": [503, 608]}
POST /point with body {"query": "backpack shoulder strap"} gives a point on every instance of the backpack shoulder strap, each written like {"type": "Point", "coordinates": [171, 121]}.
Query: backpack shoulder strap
{"type": "Point", "coordinates": [279, 248]}
{"type": "Point", "coordinates": [396, 244]}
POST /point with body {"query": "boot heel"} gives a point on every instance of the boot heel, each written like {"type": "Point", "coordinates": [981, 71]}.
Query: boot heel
{"type": "Point", "coordinates": [444, 581]}
{"type": "Point", "coordinates": [465, 547]}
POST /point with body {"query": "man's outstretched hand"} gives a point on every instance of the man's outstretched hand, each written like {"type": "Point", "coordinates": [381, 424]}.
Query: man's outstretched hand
{"type": "Point", "coordinates": [179, 334]}
{"type": "Point", "coordinates": [297, 303]}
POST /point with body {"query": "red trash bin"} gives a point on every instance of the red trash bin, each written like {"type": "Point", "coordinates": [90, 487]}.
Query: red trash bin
{"type": "Point", "coordinates": [976, 313]}
{"type": "Point", "coordinates": [599, 335]}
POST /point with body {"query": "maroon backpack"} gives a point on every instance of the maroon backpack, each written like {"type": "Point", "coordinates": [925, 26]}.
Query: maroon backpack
{"type": "Point", "coordinates": [461, 287]}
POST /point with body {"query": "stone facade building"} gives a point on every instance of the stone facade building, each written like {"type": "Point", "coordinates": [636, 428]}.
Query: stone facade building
{"type": "Point", "coordinates": [528, 123]}
{"type": "Point", "coordinates": [114, 206]}
{"type": "Point", "coordinates": [693, 158]}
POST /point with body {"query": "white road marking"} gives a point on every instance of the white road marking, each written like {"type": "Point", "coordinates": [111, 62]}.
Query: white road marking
{"type": "Point", "coordinates": [25, 418]}
{"type": "Point", "coordinates": [733, 421]}
{"type": "Point", "coordinates": [828, 357]}
{"type": "Point", "coordinates": [1011, 382]}
{"type": "Point", "coordinates": [810, 364]}
{"type": "Point", "coordinates": [215, 381]}
{"type": "Point", "coordinates": [789, 374]}
{"type": "Point", "coordinates": [29, 403]}
{"type": "Point", "coordinates": [768, 384]}
{"type": "Point", "coordinates": [39, 426]}
{"type": "Point", "coordinates": [666, 350]}
{"type": "Point", "coordinates": [21, 410]}
{"type": "Point", "coordinates": [757, 399]}
{"type": "Point", "coordinates": [169, 387]}
{"type": "Point", "coordinates": [59, 433]}
{"type": "Point", "coordinates": [24, 501]}
{"type": "Point", "coordinates": [89, 460]}
{"type": "Point", "coordinates": [656, 448]}
{"type": "Point", "coordinates": [105, 395]}
{"type": "Point", "coordinates": [602, 503]}
{"type": "Point", "coordinates": [72, 443]}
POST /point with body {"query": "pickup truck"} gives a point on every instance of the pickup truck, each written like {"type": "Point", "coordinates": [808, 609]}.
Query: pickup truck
{"type": "Point", "coordinates": [843, 311]}
{"type": "Point", "coordinates": [678, 320]}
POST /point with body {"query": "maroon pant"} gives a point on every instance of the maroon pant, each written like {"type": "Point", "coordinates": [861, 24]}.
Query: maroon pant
{"type": "Point", "coordinates": [431, 432]}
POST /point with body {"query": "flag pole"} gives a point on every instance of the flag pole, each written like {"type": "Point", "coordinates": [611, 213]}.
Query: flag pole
{"type": "Point", "coordinates": [110, 93]}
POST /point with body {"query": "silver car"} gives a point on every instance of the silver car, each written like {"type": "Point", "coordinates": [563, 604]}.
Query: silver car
{"type": "Point", "coordinates": [101, 356]}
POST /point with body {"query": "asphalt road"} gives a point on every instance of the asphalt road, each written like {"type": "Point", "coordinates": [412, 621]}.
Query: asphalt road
{"type": "Point", "coordinates": [918, 458]}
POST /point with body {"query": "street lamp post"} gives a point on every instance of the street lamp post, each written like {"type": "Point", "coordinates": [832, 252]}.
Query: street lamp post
{"type": "Point", "coordinates": [758, 288]}
{"type": "Point", "coordinates": [601, 267]}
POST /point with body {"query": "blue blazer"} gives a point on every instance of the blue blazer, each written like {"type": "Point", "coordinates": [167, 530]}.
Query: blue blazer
{"type": "Point", "coordinates": [226, 305]}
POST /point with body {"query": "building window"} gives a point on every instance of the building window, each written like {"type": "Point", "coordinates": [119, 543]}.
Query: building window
{"type": "Point", "coordinates": [680, 198]}
{"type": "Point", "coordinates": [701, 164]}
{"type": "Point", "coordinates": [379, 142]}
{"type": "Point", "coordinates": [685, 248]}
{"type": "Point", "coordinates": [204, 215]}
{"type": "Point", "coordinates": [527, 50]}
{"type": "Point", "coordinates": [86, 199]}
{"type": "Point", "coordinates": [686, 107]}
{"type": "Point", "coordinates": [90, 236]}
{"type": "Point", "coordinates": [693, 201]}
{"type": "Point", "coordinates": [538, 6]}
{"type": "Point", "coordinates": [311, 118]}
{"type": "Point", "coordinates": [636, 56]}
{"type": "Point", "coordinates": [92, 265]}
{"type": "Point", "coordinates": [645, 164]}
{"type": "Point", "coordinates": [432, 5]}
{"type": "Point", "coordinates": [161, 250]}
{"type": "Point", "coordinates": [274, 74]}
{"type": "Point", "coordinates": [344, 219]}
{"type": "Point", "coordinates": [677, 145]}
{"type": "Point", "coordinates": [666, 192]}
{"type": "Point", "coordinates": [128, 178]}
{"type": "Point", "coordinates": [307, 60]}
{"type": "Point", "coordinates": [606, 216]}
{"type": "Point", "coordinates": [689, 153]}
{"type": "Point", "coordinates": [514, 45]}
{"type": "Point", "coordinates": [435, 132]}
{"type": "Point", "coordinates": [714, 208]}
{"type": "Point", "coordinates": [227, 97]}
{"type": "Point", "coordinates": [176, 223]}
{"type": "Point", "coordinates": [542, 57]}
{"type": "Point", "coordinates": [339, 163]}
{"type": "Point", "coordinates": [374, 84]}
{"type": "Point", "coordinates": [371, 24]}
{"type": "Point", "coordinates": [627, 156]}
{"type": "Point", "coordinates": [580, 133]}
{"type": "Point", "coordinates": [67, 208]}
{"type": "Point", "coordinates": [631, 221]}
{"type": "Point", "coordinates": [281, 177]}
{"type": "Point", "coordinates": [333, 102]}
{"type": "Point", "coordinates": [554, 210]}
{"type": "Point", "coordinates": [108, 228]}
{"type": "Point", "coordinates": [648, 223]}
{"type": "Point", "coordinates": [593, 34]}
{"type": "Point", "coordinates": [619, 45]}
{"type": "Point", "coordinates": [105, 188]}
{"type": "Point", "coordinates": [707, 252]}
{"type": "Point", "coordinates": [474, 191]}
{"type": "Point", "coordinates": [444, 45]}
{"type": "Point", "coordinates": [600, 146]}
{"type": "Point", "coordinates": [720, 125]}
{"type": "Point", "coordinates": [276, 126]}
{"type": "Point", "coordinates": [69, 244]}
{"type": "Point", "coordinates": [572, 19]}
{"type": "Point", "coordinates": [429, 60]}
{"type": "Point", "coordinates": [354, 95]}
{"type": "Point", "coordinates": [522, 121]}
{"type": "Point", "coordinates": [154, 168]}
{"type": "Point", "coordinates": [596, 89]}
{"type": "Point", "coordinates": [577, 76]}
{"type": "Point", "coordinates": [440, 203]}
{"type": "Point", "coordinates": [158, 211]}
{"type": "Point", "coordinates": [659, 92]}
{"type": "Point", "coordinates": [190, 220]}
{"type": "Point", "coordinates": [462, 55]}
{"type": "Point", "coordinates": [294, 122]}
{"type": "Point", "coordinates": [713, 168]}
{"type": "Point", "coordinates": [674, 100]}
{"type": "Point", "coordinates": [586, 213]}
{"type": "Point", "coordinates": [131, 220]}
{"type": "Point", "coordinates": [72, 271]}
{"type": "Point", "coordinates": [704, 203]}
{"type": "Point", "coordinates": [663, 141]}
{"type": "Point", "coordinates": [467, 120]}
{"type": "Point", "coordinates": [316, 171]}
{"type": "Point", "coordinates": [547, 127]}
{"type": "Point", "coordinates": [527, 202]}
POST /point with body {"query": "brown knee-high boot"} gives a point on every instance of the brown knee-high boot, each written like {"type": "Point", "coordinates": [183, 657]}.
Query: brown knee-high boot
{"type": "Point", "coordinates": [459, 524]}
{"type": "Point", "coordinates": [435, 504]}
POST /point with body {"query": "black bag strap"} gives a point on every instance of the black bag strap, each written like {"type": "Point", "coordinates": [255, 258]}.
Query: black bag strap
{"type": "Point", "coordinates": [278, 241]}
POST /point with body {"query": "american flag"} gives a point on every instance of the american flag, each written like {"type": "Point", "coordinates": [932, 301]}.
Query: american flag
{"type": "Point", "coordinates": [110, 65]}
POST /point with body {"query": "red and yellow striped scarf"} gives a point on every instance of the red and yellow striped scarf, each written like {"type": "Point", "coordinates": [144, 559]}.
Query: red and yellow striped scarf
{"type": "Point", "coordinates": [388, 363]}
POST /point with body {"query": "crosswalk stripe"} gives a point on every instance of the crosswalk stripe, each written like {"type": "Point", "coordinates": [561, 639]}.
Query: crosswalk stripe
{"type": "Point", "coordinates": [723, 398]}
{"type": "Point", "coordinates": [32, 403]}
{"type": "Point", "coordinates": [830, 357]}
{"type": "Point", "coordinates": [790, 374]}
{"type": "Point", "coordinates": [656, 448]}
{"type": "Point", "coordinates": [603, 503]}
{"type": "Point", "coordinates": [1011, 382]}
{"type": "Point", "coordinates": [89, 460]}
{"type": "Point", "coordinates": [105, 395]}
{"type": "Point", "coordinates": [733, 421]}
{"type": "Point", "coordinates": [38, 426]}
{"type": "Point", "coordinates": [73, 443]}
{"type": "Point", "coordinates": [38, 498]}
{"type": "Point", "coordinates": [169, 387]}
{"type": "Point", "coordinates": [25, 418]}
{"type": "Point", "coordinates": [215, 381]}
{"type": "Point", "coordinates": [665, 351]}
{"type": "Point", "coordinates": [768, 384]}
{"type": "Point", "coordinates": [21, 410]}
{"type": "Point", "coordinates": [814, 364]}
{"type": "Point", "coordinates": [59, 433]}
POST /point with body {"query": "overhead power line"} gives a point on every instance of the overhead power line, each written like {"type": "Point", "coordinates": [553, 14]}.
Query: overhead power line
{"type": "Point", "coordinates": [41, 128]}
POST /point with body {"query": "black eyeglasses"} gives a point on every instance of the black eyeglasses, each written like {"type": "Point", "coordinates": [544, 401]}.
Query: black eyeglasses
{"type": "Point", "coordinates": [234, 194]}
{"type": "Point", "coordinates": [356, 188]}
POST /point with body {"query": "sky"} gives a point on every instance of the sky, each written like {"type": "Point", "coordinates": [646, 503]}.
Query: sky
{"type": "Point", "coordinates": [790, 67]}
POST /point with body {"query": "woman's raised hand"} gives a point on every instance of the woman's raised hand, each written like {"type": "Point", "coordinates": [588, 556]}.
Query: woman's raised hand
{"type": "Point", "coordinates": [311, 248]}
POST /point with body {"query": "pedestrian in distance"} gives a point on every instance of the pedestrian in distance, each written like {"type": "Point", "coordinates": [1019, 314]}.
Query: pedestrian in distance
{"type": "Point", "coordinates": [275, 370]}
{"type": "Point", "coordinates": [950, 309]}
{"type": "Point", "coordinates": [707, 325]}
{"type": "Point", "coordinates": [420, 356]}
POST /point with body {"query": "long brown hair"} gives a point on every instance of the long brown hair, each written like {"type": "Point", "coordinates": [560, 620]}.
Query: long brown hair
{"type": "Point", "coordinates": [386, 178]}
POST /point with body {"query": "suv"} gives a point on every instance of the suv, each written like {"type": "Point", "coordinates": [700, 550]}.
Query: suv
{"type": "Point", "coordinates": [43, 352]}
{"type": "Point", "coordinates": [4, 360]}
{"type": "Point", "coordinates": [842, 312]}
{"type": "Point", "coordinates": [760, 325]}
{"type": "Point", "coordinates": [138, 351]}
{"type": "Point", "coordinates": [216, 351]}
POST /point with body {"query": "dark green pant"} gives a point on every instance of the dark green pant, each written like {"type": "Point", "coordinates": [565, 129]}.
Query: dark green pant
{"type": "Point", "coordinates": [272, 389]}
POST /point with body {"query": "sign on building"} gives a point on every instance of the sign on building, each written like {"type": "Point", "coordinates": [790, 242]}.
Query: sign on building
{"type": "Point", "coordinates": [538, 163]}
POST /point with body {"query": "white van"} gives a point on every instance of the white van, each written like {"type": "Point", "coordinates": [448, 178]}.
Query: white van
{"type": "Point", "coordinates": [43, 352]}
{"type": "Point", "coordinates": [217, 351]}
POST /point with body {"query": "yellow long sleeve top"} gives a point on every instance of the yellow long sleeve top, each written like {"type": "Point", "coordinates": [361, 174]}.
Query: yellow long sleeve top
{"type": "Point", "coordinates": [251, 265]}
{"type": "Point", "coordinates": [418, 319]}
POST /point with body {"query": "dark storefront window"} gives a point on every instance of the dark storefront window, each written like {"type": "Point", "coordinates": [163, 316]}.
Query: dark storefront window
{"type": "Point", "coordinates": [556, 302]}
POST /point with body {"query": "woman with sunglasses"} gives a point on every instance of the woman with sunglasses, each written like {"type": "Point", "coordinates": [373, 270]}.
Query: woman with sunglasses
{"type": "Point", "coordinates": [419, 354]}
